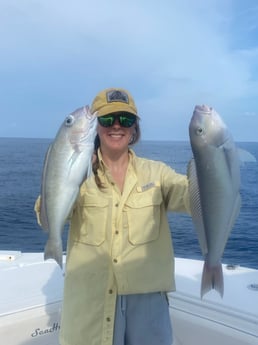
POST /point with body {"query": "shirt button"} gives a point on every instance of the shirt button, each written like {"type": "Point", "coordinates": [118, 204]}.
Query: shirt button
{"type": "Point", "coordinates": [108, 319]}
{"type": "Point", "coordinates": [116, 232]}
{"type": "Point", "coordinates": [115, 261]}
{"type": "Point", "coordinates": [110, 291]}
{"type": "Point", "coordinates": [116, 205]}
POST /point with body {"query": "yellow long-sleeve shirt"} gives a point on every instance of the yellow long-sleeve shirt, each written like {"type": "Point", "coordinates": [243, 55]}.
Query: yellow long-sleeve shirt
{"type": "Point", "coordinates": [119, 244]}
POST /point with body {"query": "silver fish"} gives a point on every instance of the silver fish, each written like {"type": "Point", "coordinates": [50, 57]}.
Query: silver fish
{"type": "Point", "coordinates": [214, 184]}
{"type": "Point", "coordinates": [67, 164]}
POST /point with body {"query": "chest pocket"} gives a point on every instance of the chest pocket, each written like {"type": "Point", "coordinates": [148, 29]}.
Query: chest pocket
{"type": "Point", "coordinates": [93, 214]}
{"type": "Point", "coordinates": [143, 216]}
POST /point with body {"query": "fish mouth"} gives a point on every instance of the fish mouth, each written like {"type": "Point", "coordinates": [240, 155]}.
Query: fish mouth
{"type": "Point", "coordinates": [203, 109]}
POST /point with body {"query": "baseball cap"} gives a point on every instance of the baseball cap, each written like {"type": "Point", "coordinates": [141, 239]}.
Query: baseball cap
{"type": "Point", "coordinates": [113, 100]}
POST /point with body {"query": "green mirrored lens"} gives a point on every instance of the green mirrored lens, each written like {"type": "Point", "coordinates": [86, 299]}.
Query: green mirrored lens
{"type": "Point", "coordinates": [125, 120]}
{"type": "Point", "coordinates": [107, 120]}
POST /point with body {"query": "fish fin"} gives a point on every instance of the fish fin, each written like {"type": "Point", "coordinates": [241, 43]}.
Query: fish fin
{"type": "Point", "coordinates": [74, 156]}
{"type": "Point", "coordinates": [88, 171]}
{"type": "Point", "coordinates": [195, 205]}
{"type": "Point", "coordinates": [43, 211]}
{"type": "Point", "coordinates": [245, 156]}
{"type": "Point", "coordinates": [232, 161]}
{"type": "Point", "coordinates": [212, 278]}
{"type": "Point", "coordinates": [53, 250]}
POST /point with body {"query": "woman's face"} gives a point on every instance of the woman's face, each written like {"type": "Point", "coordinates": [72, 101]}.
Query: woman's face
{"type": "Point", "coordinates": [115, 138]}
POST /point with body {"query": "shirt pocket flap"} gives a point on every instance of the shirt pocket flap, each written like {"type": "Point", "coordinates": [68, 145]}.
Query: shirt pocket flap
{"type": "Point", "coordinates": [145, 199]}
{"type": "Point", "coordinates": [93, 215]}
{"type": "Point", "coordinates": [93, 201]}
{"type": "Point", "coordinates": [142, 214]}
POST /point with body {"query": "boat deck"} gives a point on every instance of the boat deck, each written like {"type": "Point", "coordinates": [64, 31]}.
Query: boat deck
{"type": "Point", "coordinates": [31, 297]}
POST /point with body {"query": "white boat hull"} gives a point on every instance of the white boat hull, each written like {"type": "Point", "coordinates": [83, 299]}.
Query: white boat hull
{"type": "Point", "coordinates": [31, 297]}
{"type": "Point", "coordinates": [232, 320]}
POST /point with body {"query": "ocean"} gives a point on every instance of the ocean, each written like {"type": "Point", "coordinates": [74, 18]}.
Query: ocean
{"type": "Point", "coordinates": [20, 178]}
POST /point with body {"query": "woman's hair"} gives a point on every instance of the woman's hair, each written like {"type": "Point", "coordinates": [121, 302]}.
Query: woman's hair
{"type": "Point", "coordinates": [134, 139]}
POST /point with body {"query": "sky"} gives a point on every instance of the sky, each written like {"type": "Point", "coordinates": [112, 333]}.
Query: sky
{"type": "Point", "coordinates": [56, 55]}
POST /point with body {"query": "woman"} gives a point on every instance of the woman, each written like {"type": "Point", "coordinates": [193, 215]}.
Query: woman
{"type": "Point", "coordinates": [120, 261]}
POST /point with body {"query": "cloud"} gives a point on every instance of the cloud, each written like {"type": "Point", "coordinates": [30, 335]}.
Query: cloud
{"type": "Point", "coordinates": [170, 55]}
{"type": "Point", "coordinates": [250, 113]}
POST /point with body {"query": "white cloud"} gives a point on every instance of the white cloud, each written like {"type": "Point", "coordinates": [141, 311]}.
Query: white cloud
{"type": "Point", "coordinates": [171, 55]}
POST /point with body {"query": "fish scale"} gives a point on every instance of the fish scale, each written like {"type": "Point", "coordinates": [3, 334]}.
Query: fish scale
{"type": "Point", "coordinates": [67, 164]}
{"type": "Point", "coordinates": [214, 184]}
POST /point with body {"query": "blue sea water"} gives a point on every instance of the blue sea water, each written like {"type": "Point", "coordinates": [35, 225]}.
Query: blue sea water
{"type": "Point", "coordinates": [20, 178]}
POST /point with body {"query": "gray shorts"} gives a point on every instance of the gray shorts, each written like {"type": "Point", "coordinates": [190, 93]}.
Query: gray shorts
{"type": "Point", "coordinates": [142, 319]}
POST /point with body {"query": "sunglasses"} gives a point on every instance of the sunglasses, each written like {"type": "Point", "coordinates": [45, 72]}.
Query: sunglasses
{"type": "Point", "coordinates": [124, 119]}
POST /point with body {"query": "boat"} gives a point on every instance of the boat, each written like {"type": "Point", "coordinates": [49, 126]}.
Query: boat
{"type": "Point", "coordinates": [31, 302]}
{"type": "Point", "coordinates": [231, 320]}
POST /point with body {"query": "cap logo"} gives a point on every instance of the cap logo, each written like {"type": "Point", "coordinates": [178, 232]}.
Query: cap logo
{"type": "Point", "coordinates": [117, 96]}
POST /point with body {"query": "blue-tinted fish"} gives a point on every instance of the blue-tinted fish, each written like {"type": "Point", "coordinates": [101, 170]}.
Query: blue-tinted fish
{"type": "Point", "coordinates": [67, 164]}
{"type": "Point", "coordinates": [214, 180]}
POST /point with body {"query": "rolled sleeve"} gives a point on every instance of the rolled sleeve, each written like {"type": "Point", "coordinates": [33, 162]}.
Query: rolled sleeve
{"type": "Point", "coordinates": [176, 191]}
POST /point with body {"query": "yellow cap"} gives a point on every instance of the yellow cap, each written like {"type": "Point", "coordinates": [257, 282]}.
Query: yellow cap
{"type": "Point", "coordinates": [113, 100]}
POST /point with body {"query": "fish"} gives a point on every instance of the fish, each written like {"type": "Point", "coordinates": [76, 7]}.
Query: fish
{"type": "Point", "coordinates": [214, 188]}
{"type": "Point", "coordinates": [68, 162]}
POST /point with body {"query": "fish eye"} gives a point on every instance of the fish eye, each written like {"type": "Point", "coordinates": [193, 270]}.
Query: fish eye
{"type": "Point", "coordinates": [199, 131]}
{"type": "Point", "coordinates": [69, 120]}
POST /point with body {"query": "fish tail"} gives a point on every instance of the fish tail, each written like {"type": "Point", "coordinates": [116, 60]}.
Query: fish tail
{"type": "Point", "coordinates": [212, 278]}
{"type": "Point", "coordinates": [54, 251]}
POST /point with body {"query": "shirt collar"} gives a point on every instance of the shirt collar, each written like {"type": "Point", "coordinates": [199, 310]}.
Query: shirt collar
{"type": "Point", "coordinates": [102, 165]}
